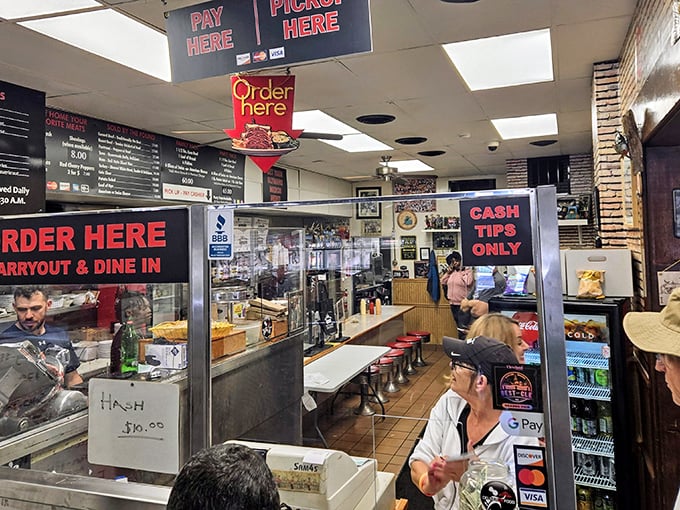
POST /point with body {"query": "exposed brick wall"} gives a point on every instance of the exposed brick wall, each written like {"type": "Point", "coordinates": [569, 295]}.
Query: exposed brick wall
{"type": "Point", "coordinates": [581, 177]}
{"type": "Point", "coordinates": [649, 35]}
{"type": "Point", "coordinates": [614, 232]}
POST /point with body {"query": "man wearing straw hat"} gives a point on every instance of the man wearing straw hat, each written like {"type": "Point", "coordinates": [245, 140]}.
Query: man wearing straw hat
{"type": "Point", "coordinates": [659, 332]}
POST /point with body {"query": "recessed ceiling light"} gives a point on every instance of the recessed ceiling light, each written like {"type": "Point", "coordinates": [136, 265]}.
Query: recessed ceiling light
{"type": "Point", "coordinates": [542, 143]}
{"type": "Point", "coordinates": [503, 61]}
{"type": "Point", "coordinates": [13, 9]}
{"type": "Point", "coordinates": [411, 140]}
{"type": "Point", "coordinates": [410, 165]}
{"type": "Point", "coordinates": [136, 45]}
{"type": "Point", "coordinates": [525, 127]}
{"type": "Point", "coordinates": [358, 142]}
{"type": "Point", "coordinates": [376, 118]}
{"type": "Point", "coordinates": [430, 154]}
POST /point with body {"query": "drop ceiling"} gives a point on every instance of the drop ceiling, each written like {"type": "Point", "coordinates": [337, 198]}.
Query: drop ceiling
{"type": "Point", "coordinates": [407, 75]}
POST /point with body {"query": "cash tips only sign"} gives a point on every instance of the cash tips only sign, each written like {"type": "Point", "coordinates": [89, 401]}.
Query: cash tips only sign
{"type": "Point", "coordinates": [496, 231]}
{"type": "Point", "coordinates": [263, 118]}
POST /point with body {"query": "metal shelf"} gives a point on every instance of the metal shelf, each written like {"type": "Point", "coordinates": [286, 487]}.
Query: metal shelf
{"type": "Point", "coordinates": [598, 482]}
{"type": "Point", "coordinates": [574, 359]}
{"type": "Point", "coordinates": [602, 444]}
{"type": "Point", "coordinates": [454, 230]}
{"type": "Point", "coordinates": [587, 360]}
{"type": "Point", "coordinates": [589, 391]}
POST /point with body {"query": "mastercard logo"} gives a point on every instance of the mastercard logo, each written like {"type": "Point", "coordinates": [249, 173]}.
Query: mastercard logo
{"type": "Point", "coordinates": [530, 477]}
{"type": "Point", "coordinates": [259, 56]}
{"type": "Point", "coordinates": [52, 185]}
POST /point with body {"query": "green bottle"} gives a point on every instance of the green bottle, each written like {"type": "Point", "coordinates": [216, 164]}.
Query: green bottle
{"type": "Point", "coordinates": [129, 349]}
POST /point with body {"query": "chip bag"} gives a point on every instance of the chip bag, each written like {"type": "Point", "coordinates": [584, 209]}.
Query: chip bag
{"type": "Point", "coordinates": [590, 284]}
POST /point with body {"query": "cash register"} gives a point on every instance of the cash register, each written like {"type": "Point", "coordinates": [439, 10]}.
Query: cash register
{"type": "Point", "coordinates": [321, 479]}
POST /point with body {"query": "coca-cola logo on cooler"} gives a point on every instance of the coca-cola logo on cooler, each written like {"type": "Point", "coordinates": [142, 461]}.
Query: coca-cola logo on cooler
{"type": "Point", "coordinates": [528, 323]}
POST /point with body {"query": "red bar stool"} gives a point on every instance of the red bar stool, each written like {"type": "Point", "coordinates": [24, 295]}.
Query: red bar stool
{"type": "Point", "coordinates": [377, 380]}
{"type": "Point", "coordinates": [414, 341]}
{"type": "Point", "coordinates": [400, 376]}
{"type": "Point", "coordinates": [363, 380]}
{"type": "Point", "coordinates": [424, 339]}
{"type": "Point", "coordinates": [387, 364]}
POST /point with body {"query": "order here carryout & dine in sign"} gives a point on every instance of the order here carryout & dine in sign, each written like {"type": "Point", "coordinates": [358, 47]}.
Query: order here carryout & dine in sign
{"type": "Point", "coordinates": [131, 247]}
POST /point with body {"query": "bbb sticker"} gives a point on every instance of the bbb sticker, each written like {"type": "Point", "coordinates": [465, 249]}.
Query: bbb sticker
{"type": "Point", "coordinates": [220, 233]}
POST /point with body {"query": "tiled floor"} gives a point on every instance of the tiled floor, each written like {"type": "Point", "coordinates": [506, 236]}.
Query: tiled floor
{"type": "Point", "coordinates": [389, 440]}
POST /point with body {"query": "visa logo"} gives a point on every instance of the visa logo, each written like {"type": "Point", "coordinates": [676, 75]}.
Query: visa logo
{"type": "Point", "coordinates": [275, 53]}
{"type": "Point", "coordinates": [533, 497]}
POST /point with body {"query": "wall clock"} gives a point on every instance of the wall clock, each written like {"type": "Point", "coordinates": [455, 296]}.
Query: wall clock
{"type": "Point", "coordinates": [407, 220]}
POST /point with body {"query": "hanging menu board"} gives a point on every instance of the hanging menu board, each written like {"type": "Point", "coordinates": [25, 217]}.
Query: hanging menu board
{"type": "Point", "coordinates": [93, 157]}
{"type": "Point", "coordinates": [22, 150]}
{"type": "Point", "coordinates": [201, 174]}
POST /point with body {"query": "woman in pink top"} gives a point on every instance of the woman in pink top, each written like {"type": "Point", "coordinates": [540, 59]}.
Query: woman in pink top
{"type": "Point", "coordinates": [457, 280]}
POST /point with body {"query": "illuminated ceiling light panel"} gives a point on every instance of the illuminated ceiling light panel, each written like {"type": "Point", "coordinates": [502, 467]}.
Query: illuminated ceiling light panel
{"type": "Point", "coordinates": [320, 122]}
{"type": "Point", "coordinates": [111, 35]}
{"type": "Point", "coordinates": [15, 9]}
{"type": "Point", "coordinates": [524, 127]}
{"type": "Point", "coordinates": [411, 165]}
{"type": "Point", "coordinates": [358, 142]}
{"type": "Point", "coordinates": [503, 61]}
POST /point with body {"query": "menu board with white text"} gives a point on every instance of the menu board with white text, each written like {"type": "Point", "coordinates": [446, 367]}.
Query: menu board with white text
{"type": "Point", "coordinates": [22, 150]}
{"type": "Point", "coordinates": [93, 157]}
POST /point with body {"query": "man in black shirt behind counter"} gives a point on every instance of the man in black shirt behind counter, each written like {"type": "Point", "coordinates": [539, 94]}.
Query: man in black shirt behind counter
{"type": "Point", "coordinates": [31, 305]}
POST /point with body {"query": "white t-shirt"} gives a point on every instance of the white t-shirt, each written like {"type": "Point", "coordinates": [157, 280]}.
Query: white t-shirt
{"type": "Point", "coordinates": [677, 502]}
{"type": "Point", "coordinates": [442, 438]}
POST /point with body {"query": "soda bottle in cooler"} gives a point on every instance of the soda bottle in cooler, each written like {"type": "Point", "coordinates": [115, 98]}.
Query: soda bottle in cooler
{"type": "Point", "coordinates": [589, 419]}
{"type": "Point", "coordinates": [605, 419]}
{"type": "Point", "coordinates": [598, 502]}
{"type": "Point", "coordinates": [575, 411]}
{"type": "Point", "coordinates": [584, 498]}
{"type": "Point", "coordinates": [607, 501]}
{"type": "Point", "coordinates": [601, 377]}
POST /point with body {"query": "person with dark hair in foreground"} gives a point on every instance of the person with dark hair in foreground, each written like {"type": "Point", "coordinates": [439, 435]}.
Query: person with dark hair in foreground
{"type": "Point", "coordinates": [31, 305]}
{"type": "Point", "coordinates": [225, 477]}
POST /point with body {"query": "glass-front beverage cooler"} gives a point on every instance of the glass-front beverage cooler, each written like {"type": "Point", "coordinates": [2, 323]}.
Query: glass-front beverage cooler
{"type": "Point", "coordinates": [599, 398]}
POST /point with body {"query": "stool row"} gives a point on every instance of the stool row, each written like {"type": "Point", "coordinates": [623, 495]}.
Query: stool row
{"type": "Point", "coordinates": [405, 354]}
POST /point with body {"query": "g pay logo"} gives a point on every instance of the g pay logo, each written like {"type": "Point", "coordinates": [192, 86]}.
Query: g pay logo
{"type": "Point", "coordinates": [512, 423]}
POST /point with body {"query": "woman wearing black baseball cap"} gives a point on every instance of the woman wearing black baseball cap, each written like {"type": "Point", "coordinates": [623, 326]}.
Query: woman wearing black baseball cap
{"type": "Point", "coordinates": [464, 423]}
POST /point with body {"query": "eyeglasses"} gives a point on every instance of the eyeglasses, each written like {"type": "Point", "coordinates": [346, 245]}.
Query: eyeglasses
{"type": "Point", "coordinates": [460, 364]}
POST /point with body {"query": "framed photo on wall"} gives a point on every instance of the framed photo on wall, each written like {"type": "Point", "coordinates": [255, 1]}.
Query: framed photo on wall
{"type": "Point", "coordinates": [296, 311]}
{"type": "Point", "coordinates": [368, 210]}
{"type": "Point", "coordinates": [424, 254]}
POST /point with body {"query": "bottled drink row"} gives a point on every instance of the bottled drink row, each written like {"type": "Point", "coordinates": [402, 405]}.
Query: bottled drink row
{"type": "Point", "coordinates": [583, 375]}
{"type": "Point", "coordinates": [596, 465]}
{"type": "Point", "coordinates": [591, 417]}
{"type": "Point", "coordinates": [593, 499]}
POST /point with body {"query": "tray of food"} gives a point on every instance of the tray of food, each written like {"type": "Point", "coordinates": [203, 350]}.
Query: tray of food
{"type": "Point", "coordinates": [178, 330]}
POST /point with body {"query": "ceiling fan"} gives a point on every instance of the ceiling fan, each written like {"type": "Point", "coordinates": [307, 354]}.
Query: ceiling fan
{"type": "Point", "coordinates": [304, 134]}
{"type": "Point", "coordinates": [384, 172]}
